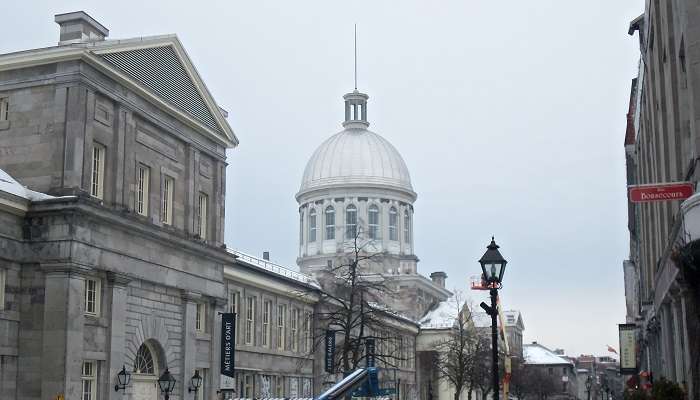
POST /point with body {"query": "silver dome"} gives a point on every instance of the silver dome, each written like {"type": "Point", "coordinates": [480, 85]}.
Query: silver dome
{"type": "Point", "coordinates": [356, 157]}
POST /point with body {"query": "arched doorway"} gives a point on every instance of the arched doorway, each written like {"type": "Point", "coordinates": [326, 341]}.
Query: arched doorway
{"type": "Point", "coordinates": [145, 374]}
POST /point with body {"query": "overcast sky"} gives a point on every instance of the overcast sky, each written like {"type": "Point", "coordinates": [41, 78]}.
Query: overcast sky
{"type": "Point", "coordinates": [510, 116]}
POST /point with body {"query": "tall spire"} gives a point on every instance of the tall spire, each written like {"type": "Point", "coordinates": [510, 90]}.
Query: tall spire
{"type": "Point", "coordinates": [355, 56]}
{"type": "Point", "coordinates": [355, 103]}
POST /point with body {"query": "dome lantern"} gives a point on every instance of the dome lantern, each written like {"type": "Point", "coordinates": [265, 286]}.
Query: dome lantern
{"type": "Point", "coordinates": [355, 110]}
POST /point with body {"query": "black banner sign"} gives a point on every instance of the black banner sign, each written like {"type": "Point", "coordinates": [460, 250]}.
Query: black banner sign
{"type": "Point", "coordinates": [228, 340]}
{"type": "Point", "coordinates": [369, 346]}
{"type": "Point", "coordinates": [330, 351]}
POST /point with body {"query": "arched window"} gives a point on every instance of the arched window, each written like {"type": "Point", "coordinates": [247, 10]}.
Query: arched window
{"type": "Point", "coordinates": [351, 222]}
{"type": "Point", "coordinates": [143, 364]}
{"type": "Point", "coordinates": [330, 223]}
{"type": "Point", "coordinates": [301, 227]}
{"type": "Point", "coordinates": [393, 222]}
{"type": "Point", "coordinates": [407, 227]}
{"type": "Point", "coordinates": [373, 221]}
{"type": "Point", "coordinates": [312, 225]}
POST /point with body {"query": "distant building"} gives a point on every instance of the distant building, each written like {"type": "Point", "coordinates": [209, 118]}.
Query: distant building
{"type": "Point", "coordinates": [560, 369]}
{"type": "Point", "coordinates": [662, 285]}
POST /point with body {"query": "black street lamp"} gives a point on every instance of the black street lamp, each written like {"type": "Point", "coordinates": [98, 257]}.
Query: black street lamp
{"type": "Point", "coordinates": [166, 382]}
{"type": "Point", "coordinates": [123, 379]}
{"type": "Point", "coordinates": [493, 265]}
{"type": "Point", "coordinates": [195, 383]}
{"type": "Point", "coordinates": [589, 383]}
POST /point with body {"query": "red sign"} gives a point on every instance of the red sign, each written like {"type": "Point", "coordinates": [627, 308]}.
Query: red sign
{"type": "Point", "coordinates": [662, 192]}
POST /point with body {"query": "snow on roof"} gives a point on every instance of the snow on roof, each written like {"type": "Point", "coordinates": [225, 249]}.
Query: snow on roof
{"type": "Point", "coordinates": [274, 268]}
{"type": "Point", "coordinates": [10, 185]}
{"type": "Point", "coordinates": [537, 354]}
{"type": "Point", "coordinates": [442, 316]}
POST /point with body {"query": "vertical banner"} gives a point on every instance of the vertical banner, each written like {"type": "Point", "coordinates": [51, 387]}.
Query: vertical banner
{"type": "Point", "coordinates": [370, 349]}
{"type": "Point", "coordinates": [228, 351]}
{"type": "Point", "coordinates": [330, 351]}
{"type": "Point", "coordinates": [628, 349]}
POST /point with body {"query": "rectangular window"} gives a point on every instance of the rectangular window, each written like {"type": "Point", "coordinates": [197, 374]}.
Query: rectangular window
{"type": "Point", "coordinates": [234, 301]}
{"type": "Point", "coordinates": [279, 387]}
{"type": "Point", "coordinates": [248, 386]}
{"type": "Point", "coordinates": [267, 315]}
{"type": "Point", "coordinates": [308, 337]}
{"type": "Point", "coordinates": [166, 209]}
{"type": "Point", "coordinates": [92, 296]}
{"type": "Point", "coordinates": [3, 281]}
{"type": "Point", "coordinates": [281, 325]}
{"type": "Point", "coordinates": [89, 378]}
{"type": "Point", "coordinates": [143, 175]}
{"type": "Point", "coordinates": [295, 329]}
{"type": "Point", "coordinates": [250, 320]}
{"type": "Point", "coordinates": [202, 215]}
{"type": "Point", "coordinates": [4, 109]}
{"type": "Point", "coordinates": [201, 318]}
{"type": "Point", "coordinates": [98, 171]}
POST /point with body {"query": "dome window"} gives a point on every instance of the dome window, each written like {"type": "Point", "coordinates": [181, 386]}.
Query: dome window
{"type": "Point", "coordinates": [330, 223]}
{"type": "Point", "coordinates": [351, 222]}
{"type": "Point", "coordinates": [393, 222]}
{"type": "Point", "coordinates": [301, 228]}
{"type": "Point", "coordinates": [373, 218]}
{"type": "Point", "coordinates": [312, 225]}
{"type": "Point", "coordinates": [406, 227]}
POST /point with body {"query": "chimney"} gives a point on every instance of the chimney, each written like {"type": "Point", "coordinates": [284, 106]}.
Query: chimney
{"type": "Point", "coordinates": [438, 278]}
{"type": "Point", "coordinates": [266, 255]}
{"type": "Point", "coordinates": [79, 27]}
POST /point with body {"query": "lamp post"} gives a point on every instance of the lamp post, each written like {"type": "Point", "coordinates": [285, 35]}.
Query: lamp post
{"type": "Point", "coordinates": [493, 265]}
{"type": "Point", "coordinates": [166, 382]}
{"type": "Point", "coordinates": [195, 383]}
{"type": "Point", "coordinates": [123, 379]}
{"type": "Point", "coordinates": [589, 383]}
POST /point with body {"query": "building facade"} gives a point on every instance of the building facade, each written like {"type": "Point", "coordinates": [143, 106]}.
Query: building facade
{"type": "Point", "coordinates": [662, 288]}
{"type": "Point", "coordinates": [120, 262]}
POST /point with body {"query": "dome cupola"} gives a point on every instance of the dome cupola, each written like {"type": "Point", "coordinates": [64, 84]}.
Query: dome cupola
{"type": "Point", "coordinates": [356, 157]}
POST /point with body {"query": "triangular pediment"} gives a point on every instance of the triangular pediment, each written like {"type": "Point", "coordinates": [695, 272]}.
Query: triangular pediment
{"type": "Point", "coordinates": [164, 69]}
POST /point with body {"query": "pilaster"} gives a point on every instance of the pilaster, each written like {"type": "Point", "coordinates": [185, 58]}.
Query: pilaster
{"type": "Point", "coordinates": [116, 292]}
{"type": "Point", "coordinates": [189, 338]}
{"type": "Point", "coordinates": [74, 138]}
{"type": "Point", "coordinates": [62, 344]}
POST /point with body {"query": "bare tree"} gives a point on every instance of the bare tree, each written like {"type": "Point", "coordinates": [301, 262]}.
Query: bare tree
{"type": "Point", "coordinates": [461, 357]}
{"type": "Point", "coordinates": [351, 305]}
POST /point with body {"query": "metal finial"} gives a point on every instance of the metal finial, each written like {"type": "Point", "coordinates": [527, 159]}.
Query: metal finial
{"type": "Point", "coordinates": [355, 56]}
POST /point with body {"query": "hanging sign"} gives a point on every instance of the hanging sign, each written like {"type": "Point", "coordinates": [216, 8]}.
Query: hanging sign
{"type": "Point", "coordinates": [628, 349]}
{"type": "Point", "coordinates": [330, 351]}
{"type": "Point", "coordinates": [660, 192]}
{"type": "Point", "coordinates": [370, 348]}
{"type": "Point", "coordinates": [228, 351]}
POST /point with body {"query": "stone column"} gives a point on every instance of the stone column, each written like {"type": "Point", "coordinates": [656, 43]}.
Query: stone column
{"type": "Point", "coordinates": [189, 338]}
{"type": "Point", "coordinates": [116, 291]}
{"type": "Point", "coordinates": [678, 359]}
{"type": "Point", "coordinates": [62, 344]}
{"type": "Point", "coordinates": [686, 344]}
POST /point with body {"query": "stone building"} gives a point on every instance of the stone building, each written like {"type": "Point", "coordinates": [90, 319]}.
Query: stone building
{"type": "Point", "coordinates": [662, 283]}
{"type": "Point", "coordinates": [120, 261]}
{"type": "Point", "coordinates": [357, 185]}
{"type": "Point", "coordinates": [560, 369]}
{"type": "Point", "coordinates": [356, 193]}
